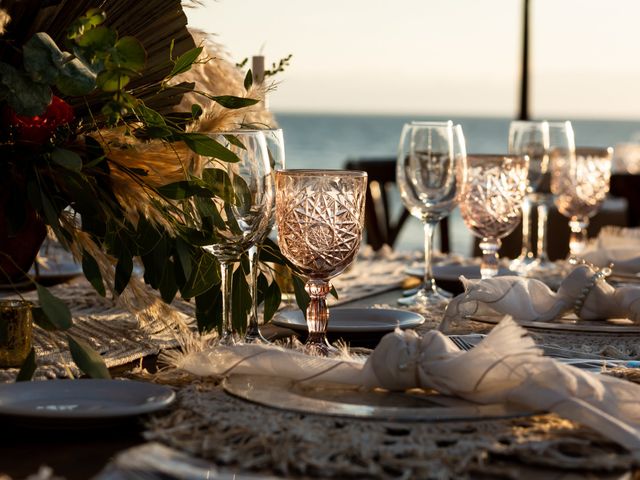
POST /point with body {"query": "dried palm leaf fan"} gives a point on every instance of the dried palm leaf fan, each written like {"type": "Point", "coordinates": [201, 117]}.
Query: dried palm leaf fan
{"type": "Point", "coordinates": [155, 23]}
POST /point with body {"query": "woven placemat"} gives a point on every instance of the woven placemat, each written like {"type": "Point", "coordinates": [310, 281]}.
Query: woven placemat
{"type": "Point", "coordinates": [242, 436]}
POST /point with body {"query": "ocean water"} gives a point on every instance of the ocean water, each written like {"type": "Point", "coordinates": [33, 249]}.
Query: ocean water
{"type": "Point", "coordinates": [328, 140]}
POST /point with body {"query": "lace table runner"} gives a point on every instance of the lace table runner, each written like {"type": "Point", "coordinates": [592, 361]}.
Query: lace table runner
{"type": "Point", "coordinates": [242, 436]}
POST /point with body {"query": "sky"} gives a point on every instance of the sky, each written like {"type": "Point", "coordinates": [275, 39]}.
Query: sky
{"type": "Point", "coordinates": [431, 57]}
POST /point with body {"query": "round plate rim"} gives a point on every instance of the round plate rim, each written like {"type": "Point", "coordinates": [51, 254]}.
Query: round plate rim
{"type": "Point", "coordinates": [239, 386]}
{"type": "Point", "coordinates": [577, 327]}
{"type": "Point", "coordinates": [166, 394]}
{"type": "Point", "coordinates": [416, 320]}
{"type": "Point", "coordinates": [418, 272]}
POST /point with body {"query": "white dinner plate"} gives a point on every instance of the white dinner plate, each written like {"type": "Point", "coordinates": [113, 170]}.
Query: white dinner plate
{"type": "Point", "coordinates": [452, 273]}
{"type": "Point", "coordinates": [354, 320]}
{"type": "Point", "coordinates": [570, 324]}
{"type": "Point", "coordinates": [341, 401]}
{"type": "Point", "coordinates": [88, 399]}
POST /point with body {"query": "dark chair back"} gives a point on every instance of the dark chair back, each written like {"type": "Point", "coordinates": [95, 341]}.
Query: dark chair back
{"type": "Point", "coordinates": [382, 227]}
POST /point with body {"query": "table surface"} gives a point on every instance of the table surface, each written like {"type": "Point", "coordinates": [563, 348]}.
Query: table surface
{"type": "Point", "coordinates": [81, 453]}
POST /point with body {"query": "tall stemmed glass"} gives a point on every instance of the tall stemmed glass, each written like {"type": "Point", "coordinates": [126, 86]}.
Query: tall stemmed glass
{"type": "Point", "coordinates": [492, 190]}
{"type": "Point", "coordinates": [428, 154]}
{"type": "Point", "coordinates": [242, 218]}
{"type": "Point", "coordinates": [561, 145]}
{"type": "Point", "coordinates": [532, 139]}
{"type": "Point", "coordinates": [580, 184]}
{"type": "Point", "coordinates": [275, 147]}
{"type": "Point", "coordinates": [320, 217]}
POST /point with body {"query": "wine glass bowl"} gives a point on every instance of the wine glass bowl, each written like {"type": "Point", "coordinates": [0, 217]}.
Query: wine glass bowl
{"type": "Point", "coordinates": [580, 184]}
{"type": "Point", "coordinates": [492, 190]}
{"type": "Point", "coordinates": [428, 154]}
{"type": "Point", "coordinates": [320, 218]}
{"type": "Point", "coordinates": [238, 216]}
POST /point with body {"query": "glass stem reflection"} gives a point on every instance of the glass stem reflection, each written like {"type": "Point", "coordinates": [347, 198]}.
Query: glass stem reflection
{"type": "Point", "coordinates": [317, 316]}
{"type": "Point", "coordinates": [543, 213]}
{"type": "Point", "coordinates": [578, 238]}
{"type": "Point", "coordinates": [429, 286]}
{"type": "Point", "coordinates": [226, 272]}
{"type": "Point", "coordinates": [526, 229]}
{"type": "Point", "coordinates": [489, 265]}
{"type": "Point", "coordinates": [253, 331]}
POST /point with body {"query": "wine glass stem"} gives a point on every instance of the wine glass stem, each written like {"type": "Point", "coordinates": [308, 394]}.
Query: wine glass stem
{"type": "Point", "coordinates": [226, 272]}
{"type": "Point", "coordinates": [429, 283]}
{"type": "Point", "coordinates": [317, 316]}
{"type": "Point", "coordinates": [543, 213]}
{"type": "Point", "coordinates": [578, 238]}
{"type": "Point", "coordinates": [526, 229]}
{"type": "Point", "coordinates": [489, 265]}
{"type": "Point", "coordinates": [253, 331]}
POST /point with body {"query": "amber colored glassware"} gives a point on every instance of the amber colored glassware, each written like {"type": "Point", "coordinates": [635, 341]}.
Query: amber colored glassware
{"type": "Point", "coordinates": [492, 190]}
{"type": "Point", "coordinates": [320, 217]}
{"type": "Point", "coordinates": [15, 332]}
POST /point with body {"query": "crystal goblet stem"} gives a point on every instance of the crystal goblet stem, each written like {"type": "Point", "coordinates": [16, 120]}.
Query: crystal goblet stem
{"type": "Point", "coordinates": [543, 215]}
{"type": "Point", "coordinates": [226, 274]}
{"type": "Point", "coordinates": [318, 316]}
{"type": "Point", "coordinates": [429, 283]}
{"type": "Point", "coordinates": [489, 266]}
{"type": "Point", "coordinates": [253, 335]}
{"type": "Point", "coordinates": [577, 238]}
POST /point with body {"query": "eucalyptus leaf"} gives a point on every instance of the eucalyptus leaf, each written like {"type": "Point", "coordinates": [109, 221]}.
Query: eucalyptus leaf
{"type": "Point", "coordinates": [38, 58]}
{"type": "Point", "coordinates": [28, 367]}
{"type": "Point", "coordinates": [87, 359]}
{"type": "Point", "coordinates": [183, 189]}
{"type": "Point", "coordinates": [183, 250]}
{"type": "Point", "coordinates": [55, 309]}
{"type": "Point", "coordinates": [183, 62]}
{"type": "Point", "coordinates": [229, 101]}
{"type": "Point", "coordinates": [204, 276]}
{"type": "Point", "coordinates": [240, 301]}
{"type": "Point", "coordinates": [168, 285]}
{"type": "Point", "coordinates": [209, 310]}
{"type": "Point", "coordinates": [24, 95]}
{"type": "Point", "coordinates": [272, 300]}
{"type": "Point", "coordinates": [196, 111]}
{"type": "Point", "coordinates": [129, 53]}
{"type": "Point", "coordinates": [100, 38]}
{"type": "Point", "coordinates": [91, 271]}
{"type": "Point", "coordinates": [112, 80]}
{"type": "Point", "coordinates": [124, 268]}
{"type": "Point", "coordinates": [206, 146]}
{"type": "Point", "coordinates": [302, 297]}
{"type": "Point", "coordinates": [67, 159]}
{"type": "Point", "coordinates": [76, 78]}
{"type": "Point", "coordinates": [40, 319]}
{"type": "Point", "coordinates": [248, 80]}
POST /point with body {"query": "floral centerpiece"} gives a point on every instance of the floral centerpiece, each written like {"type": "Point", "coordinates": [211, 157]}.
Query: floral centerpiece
{"type": "Point", "coordinates": [100, 133]}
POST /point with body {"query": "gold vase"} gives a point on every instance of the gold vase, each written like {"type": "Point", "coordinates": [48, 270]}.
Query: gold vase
{"type": "Point", "coordinates": [15, 332]}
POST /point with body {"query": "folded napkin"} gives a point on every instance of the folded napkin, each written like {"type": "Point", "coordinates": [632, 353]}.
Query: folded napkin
{"type": "Point", "coordinates": [585, 291]}
{"type": "Point", "coordinates": [506, 367]}
{"type": "Point", "coordinates": [617, 246]}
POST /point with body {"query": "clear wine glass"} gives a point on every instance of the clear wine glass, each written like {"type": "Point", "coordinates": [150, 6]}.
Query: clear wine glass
{"type": "Point", "coordinates": [580, 184]}
{"type": "Point", "coordinates": [532, 139]}
{"type": "Point", "coordinates": [428, 154]}
{"type": "Point", "coordinates": [242, 218]}
{"type": "Point", "coordinates": [275, 148]}
{"type": "Point", "coordinates": [561, 144]}
{"type": "Point", "coordinates": [492, 189]}
{"type": "Point", "coordinates": [320, 217]}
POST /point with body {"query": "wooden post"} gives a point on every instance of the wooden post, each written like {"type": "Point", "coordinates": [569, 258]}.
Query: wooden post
{"type": "Point", "coordinates": [524, 79]}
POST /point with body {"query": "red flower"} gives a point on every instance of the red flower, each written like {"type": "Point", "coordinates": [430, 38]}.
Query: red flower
{"type": "Point", "coordinates": [39, 129]}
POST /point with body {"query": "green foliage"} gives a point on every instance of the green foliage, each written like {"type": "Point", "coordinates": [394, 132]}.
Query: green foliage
{"type": "Point", "coordinates": [87, 359]}
{"type": "Point", "coordinates": [74, 170]}
{"type": "Point", "coordinates": [28, 367]}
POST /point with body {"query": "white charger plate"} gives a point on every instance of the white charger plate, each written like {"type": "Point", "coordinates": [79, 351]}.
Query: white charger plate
{"type": "Point", "coordinates": [452, 273]}
{"type": "Point", "coordinates": [570, 324]}
{"type": "Point", "coordinates": [89, 399]}
{"type": "Point", "coordinates": [341, 401]}
{"type": "Point", "coordinates": [354, 320]}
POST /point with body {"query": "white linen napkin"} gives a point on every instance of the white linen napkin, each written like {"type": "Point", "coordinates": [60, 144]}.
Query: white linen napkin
{"type": "Point", "coordinates": [620, 246]}
{"type": "Point", "coordinates": [506, 367]}
{"type": "Point", "coordinates": [584, 290]}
